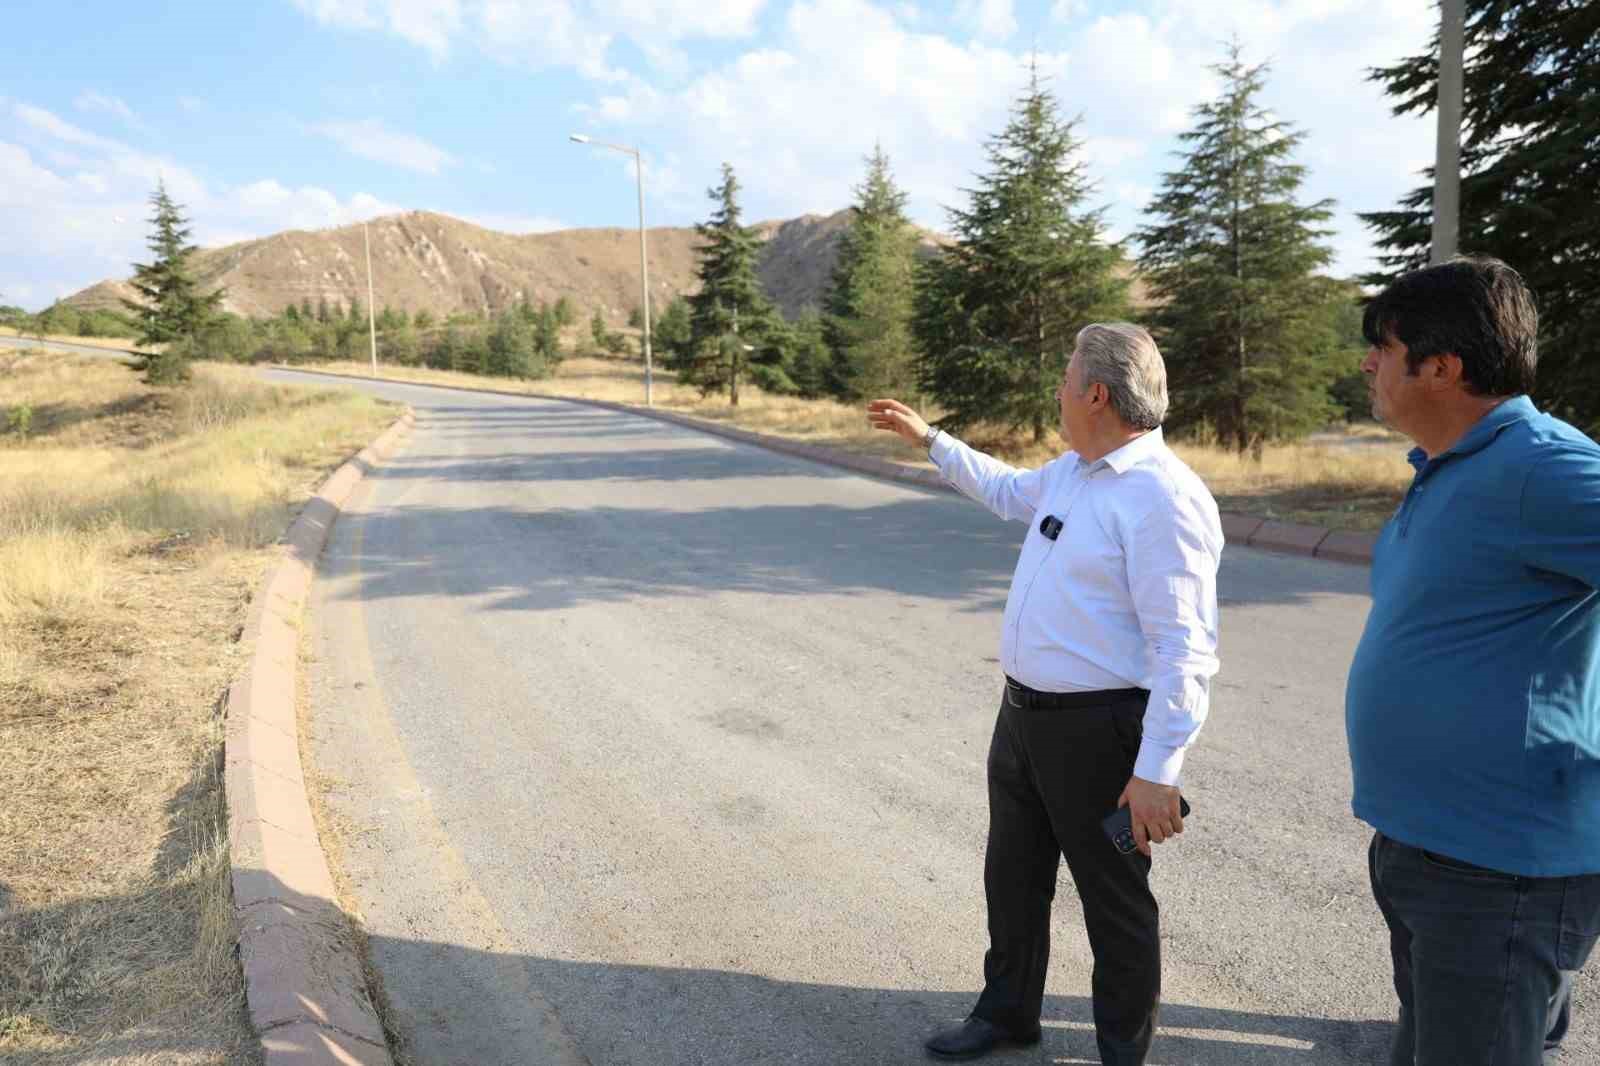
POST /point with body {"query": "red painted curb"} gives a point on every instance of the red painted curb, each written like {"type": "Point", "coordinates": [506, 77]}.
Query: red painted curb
{"type": "Point", "coordinates": [1243, 529]}
{"type": "Point", "coordinates": [304, 986]}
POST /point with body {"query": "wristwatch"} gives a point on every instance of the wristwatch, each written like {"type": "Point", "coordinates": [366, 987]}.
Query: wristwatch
{"type": "Point", "coordinates": [929, 437]}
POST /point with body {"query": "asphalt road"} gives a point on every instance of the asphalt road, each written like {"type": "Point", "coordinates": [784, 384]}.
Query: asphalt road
{"type": "Point", "coordinates": [64, 346]}
{"type": "Point", "coordinates": [648, 748]}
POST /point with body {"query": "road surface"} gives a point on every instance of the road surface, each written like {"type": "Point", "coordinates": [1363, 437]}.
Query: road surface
{"type": "Point", "coordinates": [66, 346]}
{"type": "Point", "coordinates": [648, 748]}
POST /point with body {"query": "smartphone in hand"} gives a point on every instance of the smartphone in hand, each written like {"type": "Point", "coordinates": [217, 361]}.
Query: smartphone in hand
{"type": "Point", "coordinates": [1119, 825]}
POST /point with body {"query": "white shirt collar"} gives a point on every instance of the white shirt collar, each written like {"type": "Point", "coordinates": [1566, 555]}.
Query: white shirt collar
{"type": "Point", "coordinates": [1132, 453]}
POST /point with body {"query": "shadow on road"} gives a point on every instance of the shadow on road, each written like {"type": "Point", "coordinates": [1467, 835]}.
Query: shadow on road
{"type": "Point", "coordinates": [628, 1015]}
{"type": "Point", "coordinates": [537, 559]}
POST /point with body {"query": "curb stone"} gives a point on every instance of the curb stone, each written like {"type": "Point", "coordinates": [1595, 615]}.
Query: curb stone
{"type": "Point", "coordinates": [304, 986]}
{"type": "Point", "coordinates": [1252, 531]}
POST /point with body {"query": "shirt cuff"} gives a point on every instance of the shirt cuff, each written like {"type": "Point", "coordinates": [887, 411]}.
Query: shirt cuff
{"type": "Point", "coordinates": [940, 449]}
{"type": "Point", "coordinates": [1158, 762]}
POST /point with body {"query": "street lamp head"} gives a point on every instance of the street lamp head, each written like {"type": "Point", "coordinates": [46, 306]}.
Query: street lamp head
{"type": "Point", "coordinates": [579, 137]}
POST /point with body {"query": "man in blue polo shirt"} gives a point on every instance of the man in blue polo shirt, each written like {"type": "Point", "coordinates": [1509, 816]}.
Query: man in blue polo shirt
{"type": "Point", "coordinates": [1473, 707]}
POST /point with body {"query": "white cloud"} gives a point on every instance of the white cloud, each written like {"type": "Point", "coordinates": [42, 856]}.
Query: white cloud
{"type": "Point", "coordinates": [371, 139]}
{"type": "Point", "coordinates": [120, 158]}
{"type": "Point", "coordinates": [89, 100]}
{"type": "Point", "coordinates": [796, 117]}
{"type": "Point", "coordinates": [517, 223]}
{"type": "Point", "coordinates": [548, 33]}
{"type": "Point", "coordinates": [680, 19]}
{"type": "Point", "coordinates": [428, 24]}
{"type": "Point", "coordinates": [85, 220]}
{"type": "Point", "coordinates": [992, 20]}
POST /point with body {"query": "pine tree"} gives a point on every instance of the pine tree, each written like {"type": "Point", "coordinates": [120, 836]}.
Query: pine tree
{"type": "Point", "coordinates": [1231, 256]}
{"type": "Point", "coordinates": [170, 311]}
{"type": "Point", "coordinates": [566, 314]}
{"type": "Point", "coordinates": [996, 314]}
{"type": "Point", "coordinates": [811, 359]}
{"type": "Point", "coordinates": [869, 299]}
{"type": "Point", "coordinates": [672, 334]}
{"type": "Point", "coordinates": [729, 311]}
{"type": "Point", "coordinates": [1529, 171]}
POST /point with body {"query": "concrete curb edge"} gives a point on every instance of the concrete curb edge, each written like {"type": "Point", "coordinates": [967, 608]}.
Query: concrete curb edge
{"type": "Point", "coordinates": [304, 985]}
{"type": "Point", "coordinates": [1252, 531]}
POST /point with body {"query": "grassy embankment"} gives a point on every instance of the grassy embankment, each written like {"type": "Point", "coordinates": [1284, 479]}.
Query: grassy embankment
{"type": "Point", "coordinates": [135, 524]}
{"type": "Point", "coordinates": [1348, 479]}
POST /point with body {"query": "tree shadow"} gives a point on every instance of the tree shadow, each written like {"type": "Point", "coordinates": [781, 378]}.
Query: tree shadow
{"type": "Point", "coordinates": [441, 997]}
{"type": "Point", "coordinates": [923, 544]}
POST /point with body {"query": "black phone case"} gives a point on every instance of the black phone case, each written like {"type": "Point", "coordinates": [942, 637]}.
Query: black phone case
{"type": "Point", "coordinates": [1119, 826]}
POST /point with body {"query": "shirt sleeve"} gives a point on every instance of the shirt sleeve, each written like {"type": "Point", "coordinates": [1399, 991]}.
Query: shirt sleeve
{"type": "Point", "coordinates": [1561, 515]}
{"type": "Point", "coordinates": [1172, 575]}
{"type": "Point", "coordinates": [1011, 493]}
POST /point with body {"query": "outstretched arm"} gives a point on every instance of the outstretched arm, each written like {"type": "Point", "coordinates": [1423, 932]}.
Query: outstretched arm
{"type": "Point", "coordinates": [1008, 492]}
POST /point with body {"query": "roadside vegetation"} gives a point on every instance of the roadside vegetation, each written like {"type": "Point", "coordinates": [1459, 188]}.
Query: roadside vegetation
{"type": "Point", "coordinates": [135, 523]}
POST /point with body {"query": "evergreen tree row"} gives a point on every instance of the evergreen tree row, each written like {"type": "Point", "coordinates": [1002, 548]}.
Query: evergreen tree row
{"type": "Point", "coordinates": [1256, 338]}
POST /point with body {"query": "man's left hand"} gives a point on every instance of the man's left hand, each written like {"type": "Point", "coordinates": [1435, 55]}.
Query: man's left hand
{"type": "Point", "coordinates": [1155, 810]}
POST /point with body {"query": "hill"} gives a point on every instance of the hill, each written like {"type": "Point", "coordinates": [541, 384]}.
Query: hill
{"type": "Point", "coordinates": [427, 261]}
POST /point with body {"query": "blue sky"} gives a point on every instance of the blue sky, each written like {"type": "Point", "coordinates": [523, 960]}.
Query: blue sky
{"type": "Point", "coordinates": [274, 114]}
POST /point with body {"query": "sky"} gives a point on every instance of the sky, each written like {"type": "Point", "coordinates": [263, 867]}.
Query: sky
{"type": "Point", "coordinates": [264, 115]}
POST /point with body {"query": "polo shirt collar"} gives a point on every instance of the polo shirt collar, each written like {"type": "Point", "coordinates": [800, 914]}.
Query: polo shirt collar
{"type": "Point", "coordinates": [1134, 452]}
{"type": "Point", "coordinates": [1483, 431]}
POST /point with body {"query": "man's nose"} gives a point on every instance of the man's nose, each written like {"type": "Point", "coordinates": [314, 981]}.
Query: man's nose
{"type": "Point", "coordinates": [1369, 365]}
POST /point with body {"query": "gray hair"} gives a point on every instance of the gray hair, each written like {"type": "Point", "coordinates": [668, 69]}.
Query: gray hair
{"type": "Point", "coordinates": [1124, 358]}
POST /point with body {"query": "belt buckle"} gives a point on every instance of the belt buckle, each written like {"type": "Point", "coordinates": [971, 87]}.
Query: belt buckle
{"type": "Point", "coordinates": [1014, 694]}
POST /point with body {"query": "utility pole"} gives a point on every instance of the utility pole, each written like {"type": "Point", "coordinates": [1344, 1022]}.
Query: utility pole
{"type": "Point", "coordinates": [372, 320]}
{"type": "Point", "coordinates": [644, 262]}
{"type": "Point", "coordinates": [1447, 159]}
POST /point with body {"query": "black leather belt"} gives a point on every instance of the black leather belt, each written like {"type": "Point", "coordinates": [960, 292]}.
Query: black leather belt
{"type": "Point", "coordinates": [1031, 699]}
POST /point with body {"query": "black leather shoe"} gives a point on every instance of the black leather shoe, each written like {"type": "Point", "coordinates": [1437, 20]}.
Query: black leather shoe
{"type": "Point", "coordinates": [975, 1038]}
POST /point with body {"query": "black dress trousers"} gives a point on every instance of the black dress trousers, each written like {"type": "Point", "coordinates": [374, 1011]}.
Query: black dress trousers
{"type": "Point", "coordinates": [1053, 776]}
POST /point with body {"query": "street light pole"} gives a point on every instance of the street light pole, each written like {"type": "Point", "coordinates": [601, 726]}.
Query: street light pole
{"type": "Point", "coordinates": [372, 321]}
{"type": "Point", "coordinates": [1447, 157]}
{"type": "Point", "coordinates": [644, 259]}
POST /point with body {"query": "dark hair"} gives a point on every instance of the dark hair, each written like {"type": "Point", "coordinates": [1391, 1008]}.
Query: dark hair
{"type": "Point", "coordinates": [1474, 307]}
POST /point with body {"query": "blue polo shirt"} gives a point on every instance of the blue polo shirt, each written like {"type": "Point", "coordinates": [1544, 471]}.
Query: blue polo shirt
{"type": "Point", "coordinates": [1473, 706]}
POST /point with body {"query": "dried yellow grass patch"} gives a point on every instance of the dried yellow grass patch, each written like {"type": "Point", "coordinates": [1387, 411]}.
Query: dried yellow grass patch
{"type": "Point", "coordinates": [132, 530]}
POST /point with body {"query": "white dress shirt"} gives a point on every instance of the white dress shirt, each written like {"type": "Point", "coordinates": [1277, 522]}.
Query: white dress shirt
{"type": "Point", "coordinates": [1125, 596]}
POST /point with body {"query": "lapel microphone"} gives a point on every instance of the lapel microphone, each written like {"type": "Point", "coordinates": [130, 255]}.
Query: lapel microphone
{"type": "Point", "coordinates": [1050, 527]}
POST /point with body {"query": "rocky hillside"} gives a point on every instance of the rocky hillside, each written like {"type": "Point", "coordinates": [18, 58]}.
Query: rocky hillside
{"type": "Point", "coordinates": [423, 260]}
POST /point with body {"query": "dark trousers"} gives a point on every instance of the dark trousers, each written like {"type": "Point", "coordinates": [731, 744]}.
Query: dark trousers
{"type": "Point", "coordinates": [1483, 960]}
{"type": "Point", "coordinates": [1053, 775]}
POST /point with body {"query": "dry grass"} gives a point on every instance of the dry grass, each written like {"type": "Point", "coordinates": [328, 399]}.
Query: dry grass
{"type": "Point", "coordinates": [1347, 479]}
{"type": "Point", "coordinates": [133, 526]}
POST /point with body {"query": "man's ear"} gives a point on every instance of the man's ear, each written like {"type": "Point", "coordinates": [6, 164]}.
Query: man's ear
{"type": "Point", "coordinates": [1444, 371]}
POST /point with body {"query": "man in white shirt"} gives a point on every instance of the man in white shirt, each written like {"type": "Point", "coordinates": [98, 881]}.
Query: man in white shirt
{"type": "Point", "coordinates": [1108, 645]}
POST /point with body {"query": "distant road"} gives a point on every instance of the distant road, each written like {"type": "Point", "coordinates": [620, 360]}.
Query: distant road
{"type": "Point", "coordinates": [67, 346]}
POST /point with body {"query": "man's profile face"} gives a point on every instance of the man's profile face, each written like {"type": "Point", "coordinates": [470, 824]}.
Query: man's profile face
{"type": "Point", "coordinates": [1393, 391]}
{"type": "Point", "coordinates": [1069, 395]}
